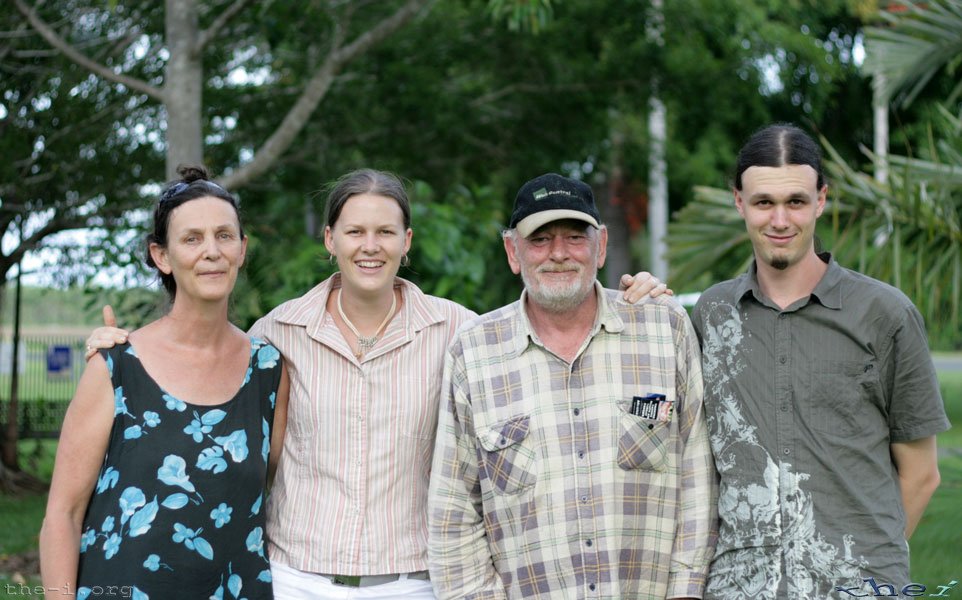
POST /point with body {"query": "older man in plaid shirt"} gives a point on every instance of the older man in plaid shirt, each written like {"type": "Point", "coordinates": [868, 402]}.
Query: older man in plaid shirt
{"type": "Point", "coordinates": [572, 456]}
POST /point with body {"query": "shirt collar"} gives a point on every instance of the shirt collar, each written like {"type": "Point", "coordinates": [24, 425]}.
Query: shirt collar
{"type": "Point", "coordinates": [828, 291]}
{"type": "Point", "coordinates": [308, 310]}
{"type": "Point", "coordinates": [606, 317]}
{"type": "Point", "coordinates": [829, 288]}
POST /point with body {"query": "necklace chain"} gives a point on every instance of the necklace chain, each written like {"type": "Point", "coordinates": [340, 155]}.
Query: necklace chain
{"type": "Point", "coordinates": [366, 343]}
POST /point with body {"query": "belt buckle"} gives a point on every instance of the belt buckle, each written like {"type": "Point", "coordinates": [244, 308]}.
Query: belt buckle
{"type": "Point", "coordinates": [348, 580]}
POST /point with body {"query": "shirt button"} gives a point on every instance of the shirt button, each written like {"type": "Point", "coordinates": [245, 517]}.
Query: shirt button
{"type": "Point", "coordinates": [584, 499]}
{"type": "Point", "coordinates": [581, 453]}
{"type": "Point", "coordinates": [784, 408]}
{"type": "Point", "coordinates": [588, 543]}
{"type": "Point", "coordinates": [782, 359]}
{"type": "Point", "coordinates": [577, 411]}
{"type": "Point", "coordinates": [591, 587]}
{"type": "Point", "coordinates": [786, 451]}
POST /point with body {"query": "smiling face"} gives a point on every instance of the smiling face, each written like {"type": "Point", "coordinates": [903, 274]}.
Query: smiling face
{"type": "Point", "coordinates": [368, 239]}
{"type": "Point", "coordinates": [558, 263]}
{"type": "Point", "coordinates": [204, 250]}
{"type": "Point", "coordinates": [780, 206]}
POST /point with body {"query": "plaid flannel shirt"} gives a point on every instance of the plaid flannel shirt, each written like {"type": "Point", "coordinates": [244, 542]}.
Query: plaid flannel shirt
{"type": "Point", "coordinates": [545, 485]}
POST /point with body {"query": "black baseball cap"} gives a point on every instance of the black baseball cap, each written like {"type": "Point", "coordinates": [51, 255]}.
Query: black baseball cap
{"type": "Point", "coordinates": [552, 197]}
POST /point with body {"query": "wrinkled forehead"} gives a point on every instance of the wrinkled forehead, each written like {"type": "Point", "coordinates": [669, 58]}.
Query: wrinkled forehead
{"type": "Point", "coordinates": [204, 212]}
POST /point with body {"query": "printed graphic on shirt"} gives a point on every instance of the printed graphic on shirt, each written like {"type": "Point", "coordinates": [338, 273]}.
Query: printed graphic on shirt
{"type": "Point", "coordinates": [762, 505]}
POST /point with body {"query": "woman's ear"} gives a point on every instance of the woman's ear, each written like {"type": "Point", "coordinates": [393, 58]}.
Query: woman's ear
{"type": "Point", "coordinates": [159, 254]}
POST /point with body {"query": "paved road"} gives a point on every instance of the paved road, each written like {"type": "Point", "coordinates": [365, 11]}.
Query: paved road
{"type": "Point", "coordinates": [948, 362]}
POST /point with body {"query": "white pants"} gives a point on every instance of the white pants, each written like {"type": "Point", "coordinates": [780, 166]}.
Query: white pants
{"type": "Point", "coordinates": [291, 584]}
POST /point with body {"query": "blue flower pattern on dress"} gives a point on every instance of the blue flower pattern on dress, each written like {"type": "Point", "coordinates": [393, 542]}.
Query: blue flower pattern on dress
{"type": "Point", "coordinates": [179, 486]}
{"type": "Point", "coordinates": [153, 563]}
{"type": "Point", "coordinates": [204, 424]}
{"type": "Point", "coordinates": [255, 541]}
{"type": "Point", "coordinates": [267, 357]}
{"type": "Point", "coordinates": [120, 402]}
{"type": "Point", "coordinates": [174, 403]}
{"type": "Point", "coordinates": [151, 419]}
{"type": "Point", "coordinates": [88, 538]}
{"type": "Point", "coordinates": [174, 472]}
{"type": "Point", "coordinates": [221, 515]}
{"type": "Point", "coordinates": [107, 480]}
{"type": "Point", "coordinates": [192, 539]}
{"type": "Point", "coordinates": [266, 431]}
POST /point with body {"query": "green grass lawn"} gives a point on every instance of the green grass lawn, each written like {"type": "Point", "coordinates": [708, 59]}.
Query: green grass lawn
{"type": "Point", "coordinates": [21, 516]}
{"type": "Point", "coordinates": [937, 543]}
{"type": "Point", "coordinates": [935, 546]}
{"type": "Point", "coordinates": [951, 384]}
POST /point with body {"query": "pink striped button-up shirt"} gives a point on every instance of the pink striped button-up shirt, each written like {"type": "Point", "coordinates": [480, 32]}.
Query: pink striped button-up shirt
{"type": "Point", "coordinates": [350, 495]}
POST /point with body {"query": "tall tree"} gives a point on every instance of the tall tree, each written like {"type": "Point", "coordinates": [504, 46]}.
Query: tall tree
{"type": "Point", "coordinates": [129, 72]}
{"type": "Point", "coordinates": [180, 92]}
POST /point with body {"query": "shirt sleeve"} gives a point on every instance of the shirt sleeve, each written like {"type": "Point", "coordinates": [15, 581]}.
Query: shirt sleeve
{"type": "Point", "coordinates": [458, 555]}
{"type": "Point", "coordinates": [697, 529]}
{"type": "Point", "coordinates": [916, 409]}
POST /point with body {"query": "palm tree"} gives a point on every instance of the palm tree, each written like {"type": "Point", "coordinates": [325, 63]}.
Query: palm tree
{"type": "Point", "coordinates": [908, 231]}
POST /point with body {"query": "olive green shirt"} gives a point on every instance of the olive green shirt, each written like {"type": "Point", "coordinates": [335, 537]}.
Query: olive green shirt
{"type": "Point", "coordinates": [802, 406]}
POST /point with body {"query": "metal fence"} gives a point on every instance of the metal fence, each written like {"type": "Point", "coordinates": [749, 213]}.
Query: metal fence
{"type": "Point", "coordinates": [50, 366]}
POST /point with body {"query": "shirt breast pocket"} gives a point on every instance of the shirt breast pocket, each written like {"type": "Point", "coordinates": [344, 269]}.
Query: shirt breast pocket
{"type": "Point", "coordinates": [842, 391]}
{"type": "Point", "coordinates": [507, 457]}
{"type": "Point", "coordinates": [643, 443]}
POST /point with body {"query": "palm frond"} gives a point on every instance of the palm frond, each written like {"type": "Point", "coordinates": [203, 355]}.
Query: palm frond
{"type": "Point", "coordinates": [707, 232]}
{"type": "Point", "coordinates": [917, 44]}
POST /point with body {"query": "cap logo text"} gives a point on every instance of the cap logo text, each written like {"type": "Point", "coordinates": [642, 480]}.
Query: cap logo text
{"type": "Point", "coordinates": [544, 193]}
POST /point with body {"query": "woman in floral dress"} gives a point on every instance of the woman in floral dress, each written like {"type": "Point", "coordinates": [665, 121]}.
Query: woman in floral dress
{"type": "Point", "coordinates": [165, 450]}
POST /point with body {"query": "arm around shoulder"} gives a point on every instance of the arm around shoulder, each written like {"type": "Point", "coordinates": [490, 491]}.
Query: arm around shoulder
{"type": "Point", "coordinates": [84, 437]}
{"type": "Point", "coordinates": [280, 422]}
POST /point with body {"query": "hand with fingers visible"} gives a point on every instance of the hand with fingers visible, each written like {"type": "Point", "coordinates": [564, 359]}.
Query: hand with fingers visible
{"type": "Point", "coordinates": [107, 336]}
{"type": "Point", "coordinates": [641, 284]}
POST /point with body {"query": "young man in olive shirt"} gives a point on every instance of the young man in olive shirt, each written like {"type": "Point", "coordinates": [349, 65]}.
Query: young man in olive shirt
{"type": "Point", "coordinates": [821, 398]}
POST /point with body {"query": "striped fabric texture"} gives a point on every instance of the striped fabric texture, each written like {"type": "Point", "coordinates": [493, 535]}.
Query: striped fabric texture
{"type": "Point", "coordinates": [545, 485]}
{"type": "Point", "coordinates": [350, 495]}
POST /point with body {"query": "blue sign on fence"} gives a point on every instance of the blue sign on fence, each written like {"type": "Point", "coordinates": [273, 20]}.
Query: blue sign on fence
{"type": "Point", "coordinates": [58, 362]}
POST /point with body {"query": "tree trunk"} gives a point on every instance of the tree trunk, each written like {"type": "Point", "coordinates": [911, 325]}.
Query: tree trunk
{"type": "Point", "coordinates": [618, 261]}
{"type": "Point", "coordinates": [657, 168]}
{"type": "Point", "coordinates": [19, 482]}
{"type": "Point", "coordinates": [183, 86]}
{"type": "Point", "coordinates": [11, 435]}
{"type": "Point", "coordinates": [657, 190]}
{"type": "Point", "coordinates": [880, 110]}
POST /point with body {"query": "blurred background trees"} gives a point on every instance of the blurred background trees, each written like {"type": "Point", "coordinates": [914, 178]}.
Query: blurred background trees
{"type": "Point", "coordinates": [466, 99]}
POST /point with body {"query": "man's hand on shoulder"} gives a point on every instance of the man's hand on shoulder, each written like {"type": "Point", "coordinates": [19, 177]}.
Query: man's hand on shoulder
{"type": "Point", "coordinates": [641, 284]}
